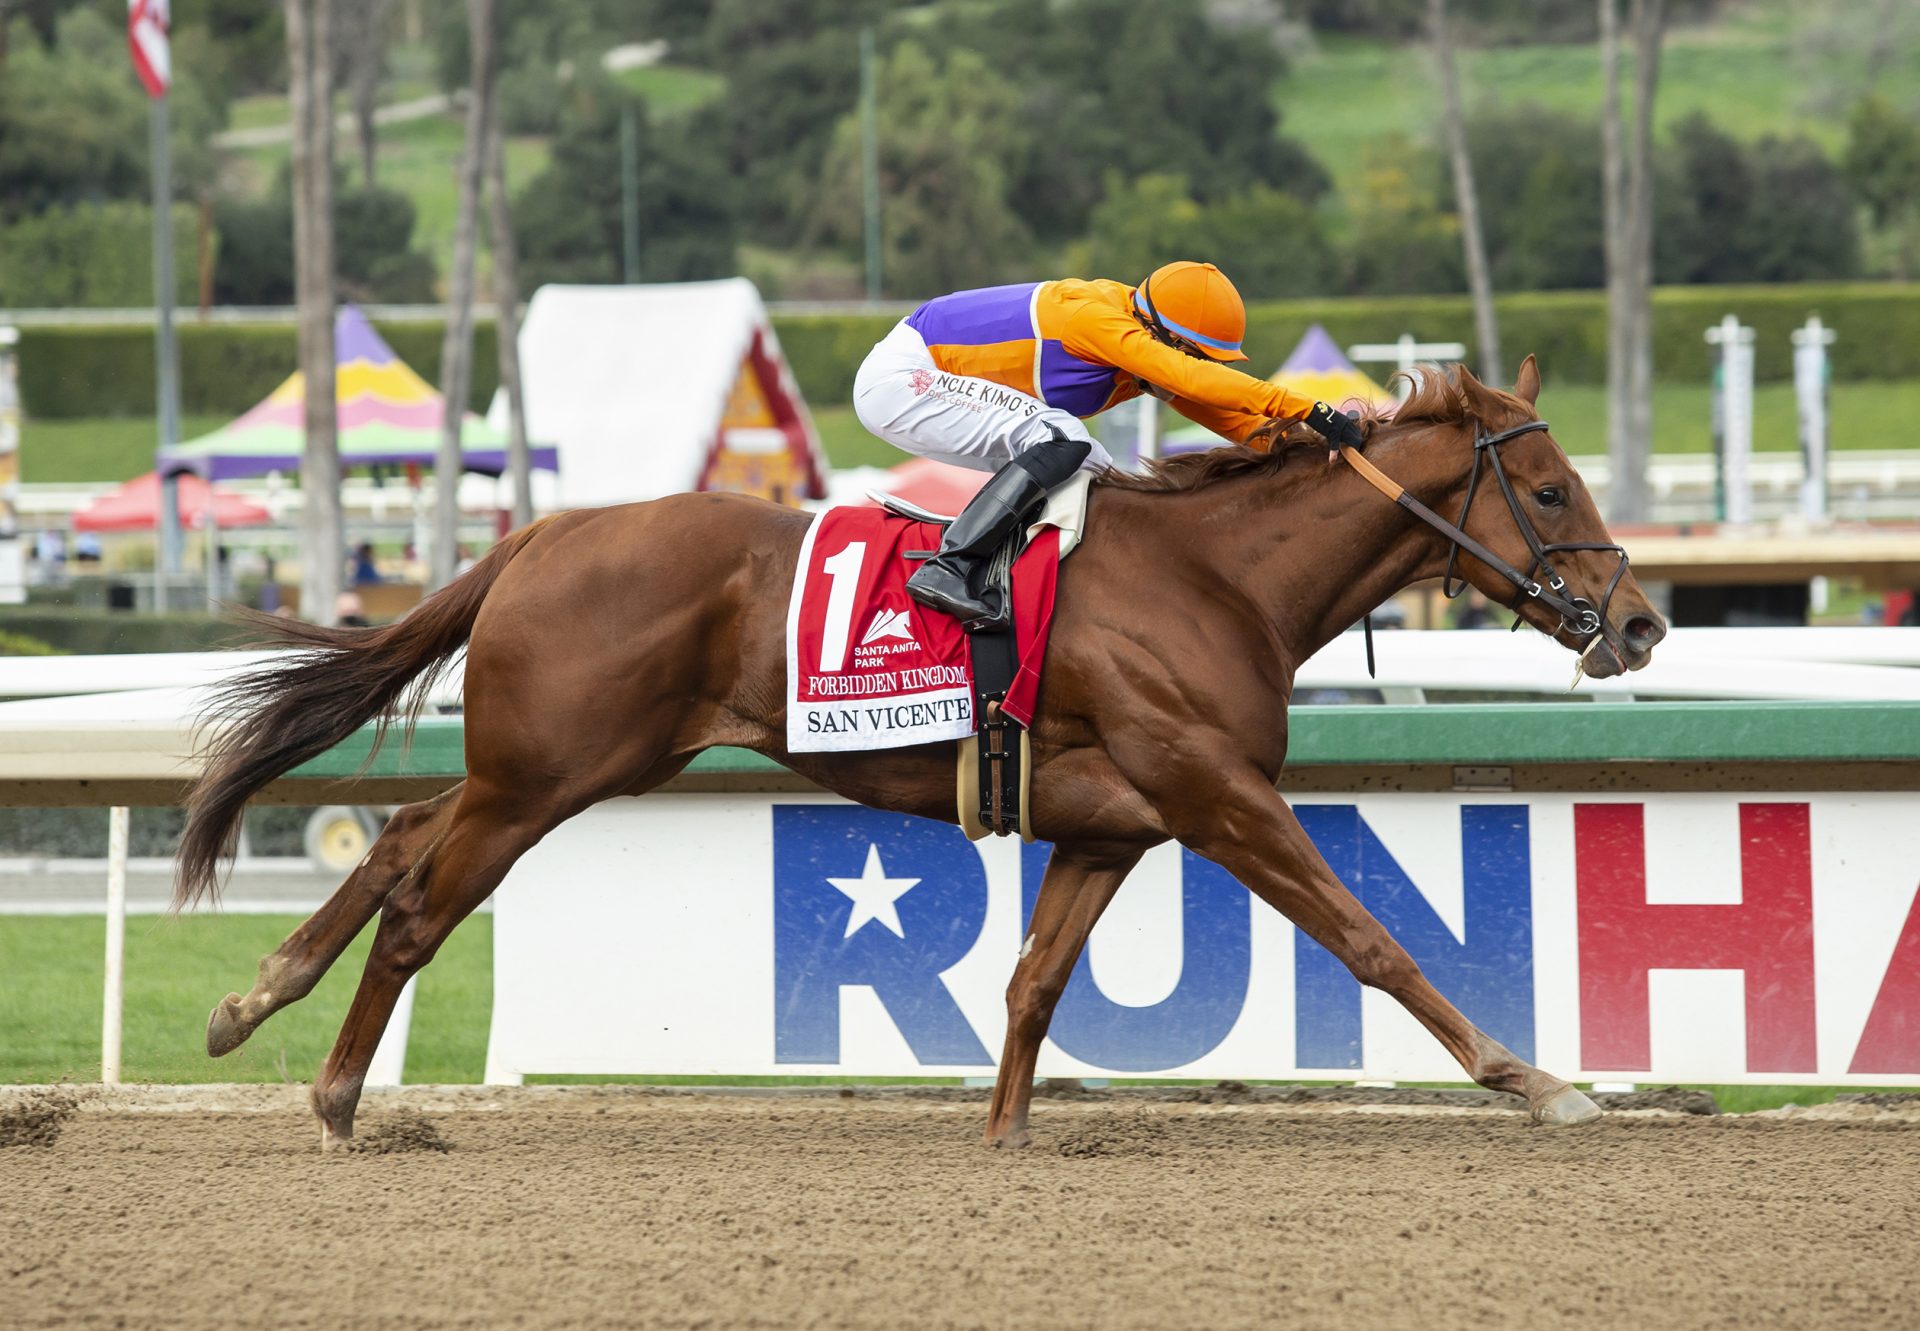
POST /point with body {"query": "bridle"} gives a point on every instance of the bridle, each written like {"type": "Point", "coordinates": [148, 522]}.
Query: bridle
{"type": "Point", "coordinates": [1542, 581]}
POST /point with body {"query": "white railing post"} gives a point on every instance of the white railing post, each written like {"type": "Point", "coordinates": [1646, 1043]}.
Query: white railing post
{"type": "Point", "coordinates": [117, 825]}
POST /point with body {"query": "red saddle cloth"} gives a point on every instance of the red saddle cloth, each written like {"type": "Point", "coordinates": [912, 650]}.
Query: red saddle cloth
{"type": "Point", "coordinates": [868, 667]}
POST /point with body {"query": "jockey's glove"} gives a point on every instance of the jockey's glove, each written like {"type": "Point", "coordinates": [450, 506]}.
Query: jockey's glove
{"type": "Point", "coordinates": [1336, 427]}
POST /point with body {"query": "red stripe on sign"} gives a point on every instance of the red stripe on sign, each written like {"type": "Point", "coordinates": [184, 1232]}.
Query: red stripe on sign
{"type": "Point", "coordinates": [1769, 936]}
{"type": "Point", "coordinates": [1891, 1041]}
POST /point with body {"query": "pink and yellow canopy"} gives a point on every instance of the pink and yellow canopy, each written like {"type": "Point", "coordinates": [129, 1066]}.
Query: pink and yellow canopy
{"type": "Point", "coordinates": [387, 415]}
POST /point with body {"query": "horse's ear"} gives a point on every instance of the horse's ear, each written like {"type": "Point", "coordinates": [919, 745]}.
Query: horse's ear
{"type": "Point", "coordinates": [1527, 386]}
{"type": "Point", "coordinates": [1481, 401]}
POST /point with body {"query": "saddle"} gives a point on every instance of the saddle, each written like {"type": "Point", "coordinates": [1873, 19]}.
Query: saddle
{"type": "Point", "coordinates": [992, 776]}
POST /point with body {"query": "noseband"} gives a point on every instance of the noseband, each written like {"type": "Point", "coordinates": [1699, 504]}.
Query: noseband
{"type": "Point", "coordinates": [1577, 614]}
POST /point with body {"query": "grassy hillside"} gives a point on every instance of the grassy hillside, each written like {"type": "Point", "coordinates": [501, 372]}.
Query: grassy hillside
{"type": "Point", "coordinates": [419, 157]}
{"type": "Point", "coordinates": [1749, 73]}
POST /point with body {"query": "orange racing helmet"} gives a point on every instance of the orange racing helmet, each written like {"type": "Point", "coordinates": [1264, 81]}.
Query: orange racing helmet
{"type": "Point", "coordinates": [1195, 302]}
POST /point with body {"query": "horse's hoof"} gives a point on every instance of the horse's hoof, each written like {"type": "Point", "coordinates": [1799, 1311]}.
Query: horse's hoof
{"type": "Point", "coordinates": [1013, 1139]}
{"type": "Point", "coordinates": [1565, 1108]}
{"type": "Point", "coordinates": [226, 1031]}
{"type": "Point", "coordinates": [331, 1141]}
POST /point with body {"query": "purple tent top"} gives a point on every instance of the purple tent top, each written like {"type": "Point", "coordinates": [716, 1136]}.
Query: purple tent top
{"type": "Point", "coordinates": [1317, 352]}
{"type": "Point", "coordinates": [387, 415]}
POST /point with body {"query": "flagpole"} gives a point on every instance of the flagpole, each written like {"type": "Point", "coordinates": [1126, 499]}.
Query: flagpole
{"type": "Point", "coordinates": [166, 363]}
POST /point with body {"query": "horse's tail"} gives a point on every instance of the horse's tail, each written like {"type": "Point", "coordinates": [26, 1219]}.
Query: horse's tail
{"type": "Point", "coordinates": [279, 715]}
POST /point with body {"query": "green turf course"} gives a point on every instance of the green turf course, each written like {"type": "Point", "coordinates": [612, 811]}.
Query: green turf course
{"type": "Point", "coordinates": [177, 969]}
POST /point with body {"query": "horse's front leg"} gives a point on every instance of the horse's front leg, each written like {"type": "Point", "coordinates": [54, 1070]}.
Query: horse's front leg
{"type": "Point", "coordinates": [1248, 830]}
{"type": "Point", "coordinates": [1073, 894]}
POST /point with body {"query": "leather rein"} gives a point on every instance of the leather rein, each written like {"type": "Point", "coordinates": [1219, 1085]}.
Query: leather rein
{"type": "Point", "coordinates": [1541, 582]}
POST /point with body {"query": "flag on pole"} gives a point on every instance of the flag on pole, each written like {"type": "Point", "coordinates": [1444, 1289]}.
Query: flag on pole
{"type": "Point", "coordinates": [147, 39]}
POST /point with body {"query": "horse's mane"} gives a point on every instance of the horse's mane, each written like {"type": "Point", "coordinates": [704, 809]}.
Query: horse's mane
{"type": "Point", "coordinates": [1439, 396]}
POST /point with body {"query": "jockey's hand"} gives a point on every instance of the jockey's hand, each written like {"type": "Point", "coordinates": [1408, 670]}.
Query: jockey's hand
{"type": "Point", "coordinates": [1336, 427]}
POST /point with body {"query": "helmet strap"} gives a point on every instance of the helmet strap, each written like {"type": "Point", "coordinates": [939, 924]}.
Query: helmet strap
{"type": "Point", "coordinates": [1153, 313]}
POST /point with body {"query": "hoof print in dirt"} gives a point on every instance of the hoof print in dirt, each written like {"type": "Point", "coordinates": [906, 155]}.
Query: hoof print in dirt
{"type": "Point", "coordinates": [399, 1135]}
{"type": "Point", "coordinates": [1140, 1136]}
{"type": "Point", "coordinates": [35, 1119]}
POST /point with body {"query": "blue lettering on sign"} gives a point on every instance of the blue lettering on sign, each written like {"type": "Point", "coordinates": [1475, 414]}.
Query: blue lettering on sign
{"type": "Point", "coordinates": [1489, 976]}
{"type": "Point", "coordinates": [1216, 957]}
{"type": "Point", "coordinates": [862, 897]}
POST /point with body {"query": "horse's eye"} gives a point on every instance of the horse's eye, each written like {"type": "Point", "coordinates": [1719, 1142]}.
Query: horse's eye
{"type": "Point", "coordinates": [1551, 496]}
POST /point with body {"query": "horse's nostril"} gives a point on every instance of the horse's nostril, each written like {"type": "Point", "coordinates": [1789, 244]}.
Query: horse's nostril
{"type": "Point", "coordinates": [1643, 631]}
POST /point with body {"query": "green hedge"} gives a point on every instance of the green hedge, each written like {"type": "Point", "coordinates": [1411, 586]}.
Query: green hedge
{"type": "Point", "coordinates": [226, 368]}
{"type": "Point", "coordinates": [74, 371]}
{"type": "Point", "coordinates": [1878, 326]}
{"type": "Point", "coordinates": [81, 834]}
{"type": "Point", "coordinates": [107, 632]}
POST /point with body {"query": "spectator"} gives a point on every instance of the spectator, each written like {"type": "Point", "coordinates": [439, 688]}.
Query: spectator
{"type": "Point", "coordinates": [348, 612]}
{"type": "Point", "coordinates": [364, 573]}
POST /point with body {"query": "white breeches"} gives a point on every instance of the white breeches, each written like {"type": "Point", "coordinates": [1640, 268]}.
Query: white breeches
{"type": "Point", "coordinates": [905, 399]}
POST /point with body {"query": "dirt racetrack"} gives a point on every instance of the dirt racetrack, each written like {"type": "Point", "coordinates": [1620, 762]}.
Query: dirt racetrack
{"type": "Point", "coordinates": [617, 1207]}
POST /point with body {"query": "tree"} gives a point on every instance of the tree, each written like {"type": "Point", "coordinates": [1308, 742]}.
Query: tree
{"type": "Point", "coordinates": [456, 352]}
{"type": "Point", "coordinates": [366, 53]}
{"type": "Point", "coordinates": [567, 220]}
{"type": "Point", "coordinates": [1762, 213]}
{"type": "Point", "coordinates": [322, 544]}
{"type": "Point", "coordinates": [1143, 222]}
{"type": "Point", "coordinates": [1627, 189]}
{"type": "Point", "coordinates": [506, 295]}
{"type": "Point", "coordinates": [374, 258]}
{"type": "Point", "coordinates": [1405, 240]}
{"type": "Point", "coordinates": [1798, 235]}
{"type": "Point", "coordinates": [1137, 88]}
{"type": "Point", "coordinates": [1544, 166]}
{"type": "Point", "coordinates": [943, 130]}
{"type": "Point", "coordinates": [1473, 246]}
{"type": "Point", "coordinates": [1882, 165]}
{"type": "Point", "coordinates": [73, 122]}
{"type": "Point", "coordinates": [1269, 243]}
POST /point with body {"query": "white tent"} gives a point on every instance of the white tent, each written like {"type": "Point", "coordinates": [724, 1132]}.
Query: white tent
{"type": "Point", "coordinates": [649, 390]}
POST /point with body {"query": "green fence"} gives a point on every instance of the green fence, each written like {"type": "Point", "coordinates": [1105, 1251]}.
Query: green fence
{"type": "Point", "coordinates": [1390, 736]}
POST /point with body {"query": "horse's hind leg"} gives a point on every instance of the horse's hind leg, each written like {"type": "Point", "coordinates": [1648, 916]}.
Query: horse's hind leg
{"type": "Point", "coordinates": [290, 972]}
{"type": "Point", "coordinates": [1072, 897]}
{"type": "Point", "coordinates": [490, 828]}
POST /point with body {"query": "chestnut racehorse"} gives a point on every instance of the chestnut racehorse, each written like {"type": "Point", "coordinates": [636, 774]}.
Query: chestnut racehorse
{"type": "Point", "coordinates": [606, 647]}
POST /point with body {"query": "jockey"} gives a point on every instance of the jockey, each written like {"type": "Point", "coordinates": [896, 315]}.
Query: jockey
{"type": "Point", "coordinates": [1001, 379]}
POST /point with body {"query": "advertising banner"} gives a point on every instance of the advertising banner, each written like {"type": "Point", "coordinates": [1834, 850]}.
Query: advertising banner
{"type": "Point", "coordinates": [1693, 938]}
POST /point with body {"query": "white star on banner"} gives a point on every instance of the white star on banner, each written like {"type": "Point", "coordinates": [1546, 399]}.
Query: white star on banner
{"type": "Point", "coordinates": [873, 895]}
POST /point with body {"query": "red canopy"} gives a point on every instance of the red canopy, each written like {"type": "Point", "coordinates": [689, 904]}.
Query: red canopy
{"type": "Point", "coordinates": [135, 506]}
{"type": "Point", "coordinates": [938, 486]}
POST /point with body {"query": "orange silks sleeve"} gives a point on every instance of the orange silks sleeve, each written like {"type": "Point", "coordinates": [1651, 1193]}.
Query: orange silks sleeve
{"type": "Point", "coordinates": [1223, 421]}
{"type": "Point", "coordinates": [1100, 333]}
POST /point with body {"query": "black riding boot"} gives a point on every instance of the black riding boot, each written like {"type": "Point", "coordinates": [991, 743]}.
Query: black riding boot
{"type": "Point", "coordinates": [950, 580]}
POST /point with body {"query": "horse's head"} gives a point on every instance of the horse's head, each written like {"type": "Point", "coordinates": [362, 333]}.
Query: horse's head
{"type": "Point", "coordinates": [1522, 502]}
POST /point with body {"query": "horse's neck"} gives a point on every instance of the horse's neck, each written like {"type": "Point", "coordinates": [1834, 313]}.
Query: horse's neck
{"type": "Point", "coordinates": [1317, 555]}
